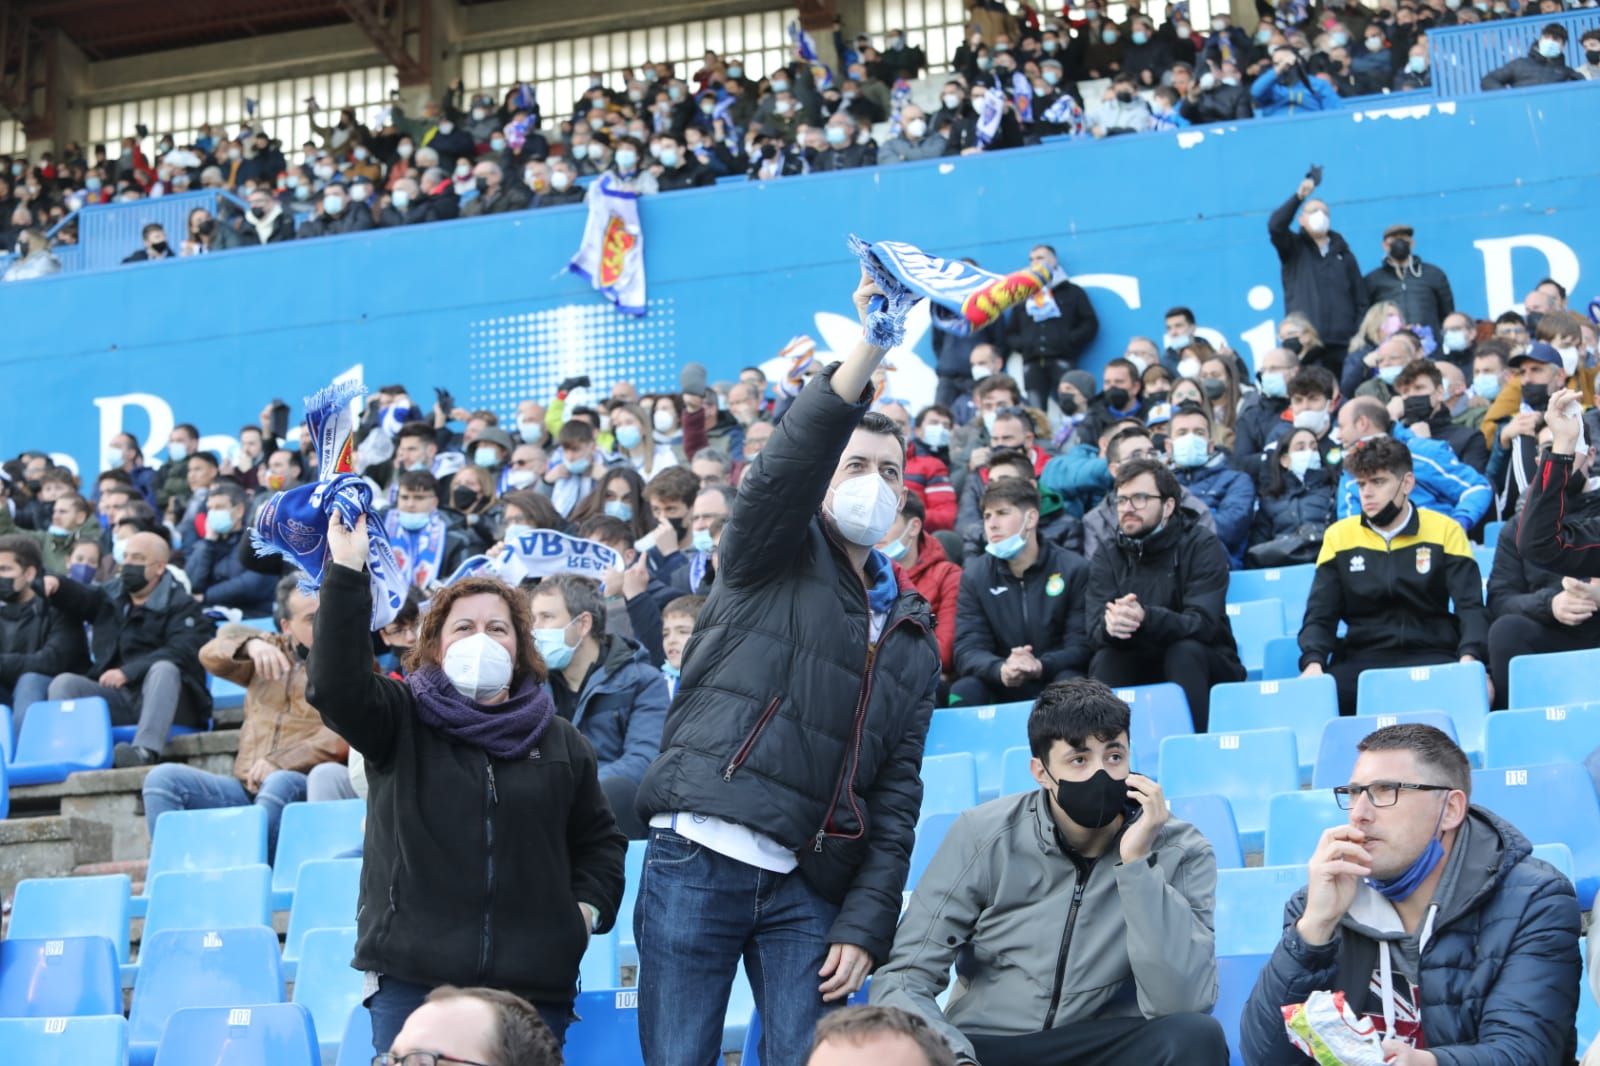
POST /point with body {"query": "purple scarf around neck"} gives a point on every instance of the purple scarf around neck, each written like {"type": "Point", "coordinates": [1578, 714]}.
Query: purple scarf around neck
{"type": "Point", "coordinates": [508, 730]}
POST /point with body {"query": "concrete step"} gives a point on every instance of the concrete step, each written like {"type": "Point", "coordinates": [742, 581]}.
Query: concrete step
{"type": "Point", "coordinates": [50, 846]}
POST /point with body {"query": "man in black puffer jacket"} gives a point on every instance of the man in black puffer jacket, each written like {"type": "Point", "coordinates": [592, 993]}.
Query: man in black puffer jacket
{"type": "Point", "coordinates": [784, 803]}
{"type": "Point", "coordinates": [1320, 276]}
{"type": "Point", "coordinates": [1545, 63]}
{"type": "Point", "coordinates": [37, 641]}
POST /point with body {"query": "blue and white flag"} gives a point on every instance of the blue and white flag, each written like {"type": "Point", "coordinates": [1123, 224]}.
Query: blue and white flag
{"type": "Point", "coordinates": [542, 553]}
{"type": "Point", "coordinates": [991, 109]}
{"type": "Point", "coordinates": [611, 255]}
{"type": "Point", "coordinates": [806, 49]}
{"type": "Point", "coordinates": [961, 294]}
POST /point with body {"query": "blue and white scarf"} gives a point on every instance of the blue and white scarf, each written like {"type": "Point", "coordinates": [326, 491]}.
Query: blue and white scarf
{"type": "Point", "coordinates": [420, 553]}
{"type": "Point", "coordinates": [806, 49]}
{"type": "Point", "coordinates": [991, 109]}
{"type": "Point", "coordinates": [294, 523]}
{"type": "Point", "coordinates": [1066, 113]}
{"type": "Point", "coordinates": [1042, 306]}
{"type": "Point", "coordinates": [907, 274]}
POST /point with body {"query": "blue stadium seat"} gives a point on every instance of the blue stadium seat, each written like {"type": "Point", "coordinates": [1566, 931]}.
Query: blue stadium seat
{"type": "Point", "coordinates": [355, 1046]}
{"type": "Point", "coordinates": [1236, 977]}
{"type": "Point", "coordinates": [1249, 917]}
{"type": "Point", "coordinates": [1458, 689]}
{"type": "Point", "coordinates": [225, 695]}
{"type": "Point", "coordinates": [741, 1009]}
{"type": "Point", "coordinates": [607, 1031]}
{"type": "Point", "coordinates": [274, 1034]}
{"type": "Point", "coordinates": [930, 834]}
{"type": "Point", "coordinates": [205, 840]}
{"type": "Point", "coordinates": [325, 983]}
{"type": "Point", "coordinates": [1247, 767]}
{"type": "Point", "coordinates": [633, 872]}
{"type": "Point", "coordinates": [199, 968]}
{"type": "Point", "coordinates": [1291, 584]}
{"type": "Point", "coordinates": [101, 1041]}
{"type": "Point", "coordinates": [1559, 856]}
{"type": "Point", "coordinates": [949, 783]}
{"type": "Point", "coordinates": [123, 734]}
{"type": "Point", "coordinates": [984, 731]}
{"type": "Point", "coordinates": [599, 967]}
{"type": "Point", "coordinates": [325, 897]}
{"type": "Point", "coordinates": [5, 733]}
{"type": "Point", "coordinates": [1255, 622]}
{"type": "Point", "coordinates": [1155, 713]}
{"type": "Point", "coordinates": [1281, 659]}
{"type": "Point", "coordinates": [61, 737]}
{"type": "Point", "coordinates": [1491, 535]}
{"type": "Point", "coordinates": [1552, 803]}
{"type": "Point", "coordinates": [209, 899]}
{"type": "Point", "coordinates": [1295, 821]}
{"type": "Point", "coordinates": [1304, 705]}
{"type": "Point", "coordinates": [1016, 771]}
{"type": "Point", "coordinates": [1550, 734]}
{"type": "Point", "coordinates": [66, 978]}
{"type": "Point", "coordinates": [266, 625]}
{"type": "Point", "coordinates": [51, 907]}
{"type": "Point", "coordinates": [1336, 752]}
{"type": "Point", "coordinates": [1553, 679]}
{"type": "Point", "coordinates": [1213, 816]}
{"type": "Point", "coordinates": [313, 831]}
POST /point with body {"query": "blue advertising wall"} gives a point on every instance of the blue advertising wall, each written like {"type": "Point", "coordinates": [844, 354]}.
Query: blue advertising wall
{"type": "Point", "coordinates": [1501, 188]}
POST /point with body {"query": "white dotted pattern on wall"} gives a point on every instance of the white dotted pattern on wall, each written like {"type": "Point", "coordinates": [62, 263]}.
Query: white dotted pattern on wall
{"type": "Point", "coordinates": [525, 356]}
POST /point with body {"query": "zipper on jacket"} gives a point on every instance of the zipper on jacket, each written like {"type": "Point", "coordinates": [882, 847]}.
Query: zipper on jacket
{"type": "Point", "coordinates": [1066, 939]}
{"type": "Point", "coordinates": [743, 753]}
{"type": "Point", "coordinates": [492, 801]}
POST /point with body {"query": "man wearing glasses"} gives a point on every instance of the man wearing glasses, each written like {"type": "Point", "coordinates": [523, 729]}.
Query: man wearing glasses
{"type": "Point", "coordinates": [1432, 918]}
{"type": "Point", "coordinates": [1156, 601]}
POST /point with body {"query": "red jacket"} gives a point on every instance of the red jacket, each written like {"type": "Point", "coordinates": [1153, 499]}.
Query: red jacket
{"type": "Point", "coordinates": [929, 478]}
{"type": "Point", "coordinates": [938, 581]}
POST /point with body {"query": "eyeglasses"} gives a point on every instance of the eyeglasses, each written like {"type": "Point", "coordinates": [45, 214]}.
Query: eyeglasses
{"type": "Point", "coordinates": [1138, 501]}
{"type": "Point", "coordinates": [420, 1058]}
{"type": "Point", "coordinates": [1380, 793]}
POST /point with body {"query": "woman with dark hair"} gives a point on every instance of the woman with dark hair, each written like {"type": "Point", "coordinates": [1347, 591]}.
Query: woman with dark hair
{"type": "Point", "coordinates": [491, 855]}
{"type": "Point", "coordinates": [471, 498]}
{"type": "Point", "coordinates": [528, 510]}
{"type": "Point", "coordinates": [620, 494]}
{"type": "Point", "coordinates": [1294, 503]}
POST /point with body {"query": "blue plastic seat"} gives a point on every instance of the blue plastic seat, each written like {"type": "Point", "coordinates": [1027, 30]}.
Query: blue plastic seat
{"type": "Point", "coordinates": [1588, 1009]}
{"type": "Point", "coordinates": [1254, 623]}
{"type": "Point", "coordinates": [205, 840]}
{"type": "Point", "coordinates": [983, 731]}
{"type": "Point", "coordinates": [599, 967]}
{"type": "Point", "coordinates": [1304, 705]}
{"type": "Point", "coordinates": [274, 1034]}
{"type": "Point", "coordinates": [1016, 771]}
{"type": "Point", "coordinates": [1458, 689]}
{"type": "Point", "coordinates": [1281, 659]}
{"type": "Point", "coordinates": [741, 1009]}
{"type": "Point", "coordinates": [1484, 557]}
{"type": "Point", "coordinates": [1559, 856]}
{"type": "Point", "coordinates": [633, 873]}
{"type": "Point", "coordinates": [61, 737]}
{"type": "Point", "coordinates": [949, 783]}
{"type": "Point", "coordinates": [1550, 734]}
{"type": "Point", "coordinates": [69, 977]}
{"type": "Point", "coordinates": [607, 1030]}
{"type": "Point", "coordinates": [1491, 534]}
{"type": "Point", "coordinates": [182, 968]}
{"type": "Point", "coordinates": [101, 1041]}
{"type": "Point", "coordinates": [1213, 816]}
{"type": "Point", "coordinates": [1295, 823]}
{"type": "Point", "coordinates": [355, 1046]}
{"type": "Point", "coordinates": [266, 625]}
{"type": "Point", "coordinates": [1336, 751]}
{"type": "Point", "coordinates": [1155, 712]}
{"type": "Point", "coordinates": [50, 907]}
{"type": "Point", "coordinates": [5, 733]}
{"type": "Point", "coordinates": [225, 695]}
{"type": "Point", "coordinates": [209, 899]}
{"type": "Point", "coordinates": [1553, 679]}
{"type": "Point", "coordinates": [325, 983]}
{"type": "Point", "coordinates": [930, 834]}
{"type": "Point", "coordinates": [1291, 584]}
{"type": "Point", "coordinates": [1247, 767]}
{"type": "Point", "coordinates": [313, 831]}
{"type": "Point", "coordinates": [1236, 978]}
{"type": "Point", "coordinates": [124, 734]}
{"type": "Point", "coordinates": [1552, 803]}
{"type": "Point", "coordinates": [325, 897]}
{"type": "Point", "coordinates": [1249, 915]}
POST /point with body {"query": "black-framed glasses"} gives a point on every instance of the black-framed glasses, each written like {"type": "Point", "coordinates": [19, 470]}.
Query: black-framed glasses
{"type": "Point", "coordinates": [1138, 501]}
{"type": "Point", "coordinates": [420, 1058]}
{"type": "Point", "coordinates": [1380, 793]}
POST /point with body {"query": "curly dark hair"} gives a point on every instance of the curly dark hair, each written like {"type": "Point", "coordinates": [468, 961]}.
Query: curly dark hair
{"type": "Point", "coordinates": [427, 652]}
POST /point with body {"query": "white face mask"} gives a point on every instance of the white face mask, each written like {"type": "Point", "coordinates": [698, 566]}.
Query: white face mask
{"type": "Point", "coordinates": [1302, 462]}
{"type": "Point", "coordinates": [864, 508]}
{"type": "Point", "coordinates": [1316, 222]}
{"type": "Point", "coordinates": [1189, 368]}
{"type": "Point", "coordinates": [478, 667]}
{"type": "Point", "coordinates": [1569, 360]}
{"type": "Point", "coordinates": [1316, 421]}
{"type": "Point", "coordinates": [663, 421]}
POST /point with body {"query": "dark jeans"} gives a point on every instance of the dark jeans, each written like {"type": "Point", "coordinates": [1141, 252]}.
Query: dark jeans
{"type": "Point", "coordinates": [620, 793]}
{"type": "Point", "coordinates": [395, 999]}
{"type": "Point", "coordinates": [1039, 379]}
{"type": "Point", "coordinates": [976, 692]}
{"type": "Point", "coordinates": [952, 387]}
{"type": "Point", "coordinates": [700, 912]}
{"type": "Point", "coordinates": [1191, 665]}
{"type": "Point", "coordinates": [1173, 1040]}
{"type": "Point", "coordinates": [1512, 635]}
{"type": "Point", "coordinates": [1347, 668]}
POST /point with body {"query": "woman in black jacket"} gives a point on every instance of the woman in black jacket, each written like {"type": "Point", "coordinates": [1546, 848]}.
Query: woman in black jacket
{"type": "Point", "coordinates": [491, 855]}
{"type": "Point", "coordinates": [1295, 498]}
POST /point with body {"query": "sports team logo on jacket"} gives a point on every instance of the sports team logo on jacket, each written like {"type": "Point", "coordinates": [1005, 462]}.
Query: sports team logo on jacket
{"type": "Point", "coordinates": [1055, 586]}
{"type": "Point", "coordinates": [1424, 560]}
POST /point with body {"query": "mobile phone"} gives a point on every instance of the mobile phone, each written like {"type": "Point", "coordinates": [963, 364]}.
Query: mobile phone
{"type": "Point", "coordinates": [1315, 173]}
{"type": "Point", "coordinates": [280, 419]}
{"type": "Point", "coordinates": [447, 402]}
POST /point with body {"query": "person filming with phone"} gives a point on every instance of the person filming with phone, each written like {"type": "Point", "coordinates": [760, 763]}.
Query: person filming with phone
{"type": "Point", "coordinates": [1078, 915]}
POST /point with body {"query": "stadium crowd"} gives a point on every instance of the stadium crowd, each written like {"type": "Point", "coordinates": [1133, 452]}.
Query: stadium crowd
{"type": "Point", "coordinates": [1016, 79]}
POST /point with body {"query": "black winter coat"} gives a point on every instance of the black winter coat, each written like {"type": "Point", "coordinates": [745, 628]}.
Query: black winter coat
{"type": "Point", "coordinates": [1328, 289]}
{"type": "Point", "coordinates": [474, 867]}
{"type": "Point", "coordinates": [1302, 503]}
{"type": "Point", "coordinates": [1420, 290]}
{"type": "Point", "coordinates": [1531, 69]}
{"type": "Point", "coordinates": [785, 720]}
{"type": "Point", "coordinates": [1220, 103]}
{"type": "Point", "coordinates": [354, 219]}
{"type": "Point", "coordinates": [1519, 587]}
{"type": "Point", "coordinates": [168, 627]}
{"type": "Point", "coordinates": [997, 611]}
{"type": "Point", "coordinates": [1254, 428]}
{"type": "Point", "coordinates": [36, 638]}
{"type": "Point", "coordinates": [1063, 337]}
{"type": "Point", "coordinates": [513, 196]}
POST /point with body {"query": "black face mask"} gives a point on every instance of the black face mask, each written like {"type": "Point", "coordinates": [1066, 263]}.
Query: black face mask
{"type": "Point", "coordinates": [463, 498]}
{"type": "Point", "coordinates": [1213, 388]}
{"type": "Point", "coordinates": [1117, 399]}
{"type": "Point", "coordinates": [1385, 518]}
{"type": "Point", "coordinates": [159, 248]}
{"type": "Point", "coordinates": [1124, 97]}
{"type": "Point", "coordinates": [1291, 344]}
{"type": "Point", "coordinates": [680, 526]}
{"type": "Point", "coordinates": [1417, 409]}
{"type": "Point", "coordinates": [482, 185]}
{"type": "Point", "coordinates": [1399, 249]}
{"type": "Point", "coordinates": [133, 577]}
{"type": "Point", "coordinates": [302, 652]}
{"type": "Point", "coordinates": [1094, 803]}
{"type": "Point", "coordinates": [1158, 396]}
{"type": "Point", "coordinates": [259, 212]}
{"type": "Point", "coordinates": [1592, 55]}
{"type": "Point", "coordinates": [9, 590]}
{"type": "Point", "coordinates": [1067, 402]}
{"type": "Point", "coordinates": [1536, 396]}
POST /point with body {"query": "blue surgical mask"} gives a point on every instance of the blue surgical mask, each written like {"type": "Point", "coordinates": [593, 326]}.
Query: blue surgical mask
{"type": "Point", "coordinates": [413, 521]}
{"type": "Point", "coordinates": [1424, 864]}
{"type": "Point", "coordinates": [896, 549]}
{"type": "Point", "coordinates": [486, 456]}
{"type": "Point", "coordinates": [1300, 462]}
{"type": "Point", "coordinates": [1389, 374]}
{"type": "Point", "coordinates": [1190, 450]}
{"type": "Point", "coordinates": [553, 647]}
{"type": "Point", "coordinates": [82, 573]}
{"type": "Point", "coordinates": [57, 531]}
{"type": "Point", "coordinates": [670, 672]}
{"type": "Point", "coordinates": [219, 522]}
{"type": "Point", "coordinates": [629, 436]}
{"type": "Point", "coordinates": [177, 451]}
{"type": "Point", "coordinates": [1457, 340]}
{"type": "Point", "coordinates": [621, 510]}
{"type": "Point", "coordinates": [580, 465]}
{"type": "Point", "coordinates": [936, 435]}
{"type": "Point", "coordinates": [115, 458]}
{"type": "Point", "coordinates": [1008, 548]}
{"type": "Point", "coordinates": [1273, 384]}
{"type": "Point", "coordinates": [515, 532]}
{"type": "Point", "coordinates": [703, 542]}
{"type": "Point", "coordinates": [1486, 385]}
{"type": "Point", "coordinates": [836, 135]}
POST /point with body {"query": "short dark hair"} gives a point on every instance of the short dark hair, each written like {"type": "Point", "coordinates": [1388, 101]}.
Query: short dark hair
{"type": "Point", "coordinates": [674, 484]}
{"type": "Point", "coordinates": [911, 507]}
{"type": "Point", "coordinates": [575, 434]}
{"type": "Point", "coordinates": [1189, 407]}
{"type": "Point", "coordinates": [1166, 483]}
{"type": "Point", "coordinates": [581, 596]}
{"type": "Point", "coordinates": [234, 494]}
{"type": "Point", "coordinates": [1493, 346]}
{"type": "Point", "coordinates": [186, 427]}
{"type": "Point", "coordinates": [419, 481]}
{"type": "Point", "coordinates": [295, 458]}
{"type": "Point", "coordinates": [1588, 35]}
{"type": "Point", "coordinates": [1012, 490]}
{"type": "Point", "coordinates": [689, 605]}
{"type": "Point", "coordinates": [1114, 446]}
{"type": "Point", "coordinates": [209, 458]}
{"type": "Point", "coordinates": [1312, 381]}
{"type": "Point", "coordinates": [1379, 455]}
{"type": "Point", "coordinates": [1013, 458]}
{"type": "Point", "coordinates": [933, 409]}
{"type": "Point", "coordinates": [25, 549]}
{"type": "Point", "coordinates": [143, 518]}
{"type": "Point", "coordinates": [420, 430]}
{"type": "Point", "coordinates": [1073, 711]}
{"type": "Point", "coordinates": [857, 1025]}
{"type": "Point", "coordinates": [1511, 316]}
{"type": "Point", "coordinates": [995, 383]}
{"type": "Point", "coordinates": [884, 426]}
{"type": "Point", "coordinates": [605, 528]}
{"type": "Point", "coordinates": [1417, 369]}
{"type": "Point", "coordinates": [521, 1036]}
{"type": "Point", "coordinates": [1188, 315]}
{"type": "Point", "coordinates": [1554, 29]}
{"type": "Point", "coordinates": [1432, 747]}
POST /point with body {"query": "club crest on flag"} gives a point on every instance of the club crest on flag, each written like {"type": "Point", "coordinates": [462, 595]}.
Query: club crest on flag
{"type": "Point", "coordinates": [614, 249]}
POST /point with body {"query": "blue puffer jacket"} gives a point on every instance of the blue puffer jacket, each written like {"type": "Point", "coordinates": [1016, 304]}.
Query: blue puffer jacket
{"type": "Point", "coordinates": [1444, 483]}
{"type": "Point", "coordinates": [1308, 93]}
{"type": "Point", "coordinates": [1231, 497]}
{"type": "Point", "coordinates": [1498, 975]}
{"type": "Point", "coordinates": [621, 709]}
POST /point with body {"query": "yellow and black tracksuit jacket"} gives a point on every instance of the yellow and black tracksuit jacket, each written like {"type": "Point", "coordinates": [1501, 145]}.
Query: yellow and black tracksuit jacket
{"type": "Point", "coordinates": [1395, 595]}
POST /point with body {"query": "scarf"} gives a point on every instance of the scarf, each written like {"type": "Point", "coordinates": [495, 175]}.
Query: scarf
{"type": "Point", "coordinates": [1042, 305]}
{"type": "Point", "coordinates": [418, 554]}
{"type": "Point", "coordinates": [991, 109]}
{"type": "Point", "coordinates": [263, 226]}
{"type": "Point", "coordinates": [506, 731]}
{"type": "Point", "coordinates": [1065, 112]}
{"type": "Point", "coordinates": [907, 274]}
{"type": "Point", "coordinates": [294, 522]}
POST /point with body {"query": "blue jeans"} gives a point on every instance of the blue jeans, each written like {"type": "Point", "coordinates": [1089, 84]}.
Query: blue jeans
{"type": "Point", "coordinates": [29, 689]}
{"type": "Point", "coordinates": [175, 787]}
{"type": "Point", "coordinates": [395, 999]}
{"type": "Point", "coordinates": [700, 912]}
